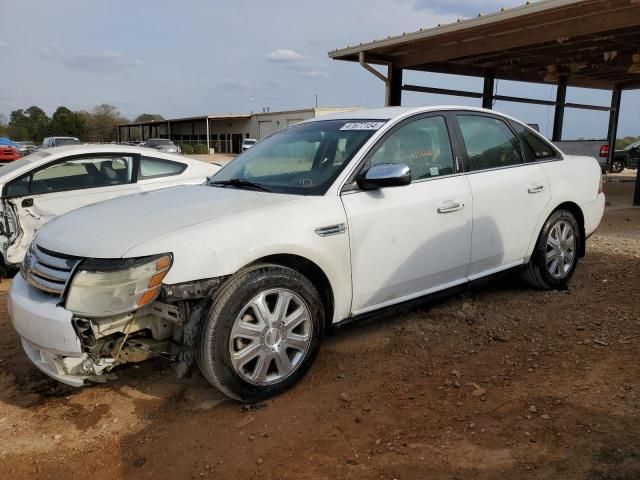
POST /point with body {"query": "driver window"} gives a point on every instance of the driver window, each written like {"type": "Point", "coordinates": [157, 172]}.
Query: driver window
{"type": "Point", "coordinates": [489, 142]}
{"type": "Point", "coordinates": [79, 173]}
{"type": "Point", "coordinates": [423, 145]}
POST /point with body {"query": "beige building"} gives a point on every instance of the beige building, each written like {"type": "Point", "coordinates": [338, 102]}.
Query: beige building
{"type": "Point", "coordinates": [222, 133]}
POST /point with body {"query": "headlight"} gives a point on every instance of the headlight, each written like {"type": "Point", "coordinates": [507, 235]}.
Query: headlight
{"type": "Point", "coordinates": [110, 287]}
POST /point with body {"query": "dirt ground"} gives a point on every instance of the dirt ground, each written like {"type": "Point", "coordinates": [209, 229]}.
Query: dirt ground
{"type": "Point", "coordinates": [503, 382]}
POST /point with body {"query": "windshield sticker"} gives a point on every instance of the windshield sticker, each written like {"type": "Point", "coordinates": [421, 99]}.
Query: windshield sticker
{"type": "Point", "coordinates": [362, 126]}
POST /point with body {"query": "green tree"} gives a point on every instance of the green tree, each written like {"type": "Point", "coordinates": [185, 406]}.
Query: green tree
{"type": "Point", "coordinates": [29, 124]}
{"type": "Point", "coordinates": [623, 142]}
{"type": "Point", "coordinates": [104, 120]}
{"type": "Point", "coordinates": [38, 123]}
{"type": "Point", "coordinates": [149, 117]}
{"type": "Point", "coordinates": [64, 122]}
{"type": "Point", "coordinates": [18, 128]}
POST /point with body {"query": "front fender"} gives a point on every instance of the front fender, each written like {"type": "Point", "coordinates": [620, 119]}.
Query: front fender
{"type": "Point", "coordinates": [224, 247]}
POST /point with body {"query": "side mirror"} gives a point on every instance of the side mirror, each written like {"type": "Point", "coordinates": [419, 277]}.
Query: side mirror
{"type": "Point", "coordinates": [385, 175]}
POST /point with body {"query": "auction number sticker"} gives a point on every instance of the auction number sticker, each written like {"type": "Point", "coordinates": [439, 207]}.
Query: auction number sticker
{"type": "Point", "coordinates": [362, 126]}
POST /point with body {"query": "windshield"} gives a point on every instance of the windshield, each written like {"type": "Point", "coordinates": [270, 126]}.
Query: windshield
{"type": "Point", "coordinates": [66, 141]}
{"type": "Point", "coordinates": [302, 159]}
{"type": "Point", "coordinates": [159, 142]}
{"type": "Point", "coordinates": [632, 146]}
{"type": "Point", "coordinates": [249, 142]}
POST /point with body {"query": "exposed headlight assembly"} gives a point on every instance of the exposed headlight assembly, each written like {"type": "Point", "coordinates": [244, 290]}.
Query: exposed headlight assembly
{"type": "Point", "coordinates": [102, 288]}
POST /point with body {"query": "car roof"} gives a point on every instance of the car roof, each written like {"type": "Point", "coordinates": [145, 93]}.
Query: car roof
{"type": "Point", "coordinates": [390, 113]}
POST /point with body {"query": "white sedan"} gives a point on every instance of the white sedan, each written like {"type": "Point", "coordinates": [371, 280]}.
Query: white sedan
{"type": "Point", "coordinates": [321, 222]}
{"type": "Point", "coordinates": [51, 182]}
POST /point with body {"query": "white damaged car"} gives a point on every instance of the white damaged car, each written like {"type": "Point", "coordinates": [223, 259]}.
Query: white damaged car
{"type": "Point", "coordinates": [321, 222]}
{"type": "Point", "coordinates": [51, 182]}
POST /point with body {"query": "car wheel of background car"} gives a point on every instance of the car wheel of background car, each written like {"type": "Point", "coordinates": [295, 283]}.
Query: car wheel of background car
{"type": "Point", "coordinates": [555, 255]}
{"type": "Point", "coordinates": [617, 166]}
{"type": "Point", "coordinates": [262, 332]}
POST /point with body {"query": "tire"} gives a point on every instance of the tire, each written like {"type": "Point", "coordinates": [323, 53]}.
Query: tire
{"type": "Point", "coordinates": [617, 166]}
{"type": "Point", "coordinates": [541, 272]}
{"type": "Point", "coordinates": [237, 330]}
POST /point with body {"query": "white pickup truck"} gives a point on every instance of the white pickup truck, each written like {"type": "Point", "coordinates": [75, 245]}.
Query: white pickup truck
{"type": "Point", "coordinates": [321, 222]}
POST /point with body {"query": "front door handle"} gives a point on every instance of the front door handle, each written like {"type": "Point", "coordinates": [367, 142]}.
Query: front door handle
{"type": "Point", "coordinates": [536, 189]}
{"type": "Point", "coordinates": [448, 207]}
{"type": "Point", "coordinates": [27, 202]}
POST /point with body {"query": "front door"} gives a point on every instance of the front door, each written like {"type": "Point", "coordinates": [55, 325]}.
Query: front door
{"type": "Point", "coordinates": [409, 241]}
{"type": "Point", "coordinates": [65, 185]}
{"type": "Point", "coordinates": [509, 195]}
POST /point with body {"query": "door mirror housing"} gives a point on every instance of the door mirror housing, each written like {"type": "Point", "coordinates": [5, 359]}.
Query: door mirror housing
{"type": "Point", "coordinates": [385, 175]}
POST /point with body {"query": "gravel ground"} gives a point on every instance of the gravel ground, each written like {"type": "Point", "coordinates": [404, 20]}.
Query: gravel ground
{"type": "Point", "coordinates": [502, 382]}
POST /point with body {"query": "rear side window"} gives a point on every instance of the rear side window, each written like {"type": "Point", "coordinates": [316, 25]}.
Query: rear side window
{"type": "Point", "coordinates": [490, 143]}
{"type": "Point", "coordinates": [156, 167]}
{"type": "Point", "coordinates": [539, 148]}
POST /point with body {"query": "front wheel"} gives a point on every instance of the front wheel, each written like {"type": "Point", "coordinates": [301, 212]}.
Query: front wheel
{"type": "Point", "coordinates": [555, 256]}
{"type": "Point", "coordinates": [262, 332]}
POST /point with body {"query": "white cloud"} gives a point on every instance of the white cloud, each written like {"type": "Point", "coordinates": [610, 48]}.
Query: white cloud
{"type": "Point", "coordinates": [3, 44]}
{"type": "Point", "coordinates": [285, 55]}
{"type": "Point", "coordinates": [104, 61]}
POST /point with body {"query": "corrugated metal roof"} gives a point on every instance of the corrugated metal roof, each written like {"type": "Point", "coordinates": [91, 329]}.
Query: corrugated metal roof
{"type": "Point", "coordinates": [481, 20]}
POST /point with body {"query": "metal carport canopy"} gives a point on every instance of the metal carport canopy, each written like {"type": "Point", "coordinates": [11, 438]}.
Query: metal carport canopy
{"type": "Point", "coordinates": [581, 43]}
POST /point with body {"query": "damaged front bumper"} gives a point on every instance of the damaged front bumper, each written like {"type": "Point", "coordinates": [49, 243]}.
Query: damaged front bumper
{"type": "Point", "coordinates": [77, 351]}
{"type": "Point", "coordinates": [74, 371]}
{"type": "Point", "coordinates": [48, 336]}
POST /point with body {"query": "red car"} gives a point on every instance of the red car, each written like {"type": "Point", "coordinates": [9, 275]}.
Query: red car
{"type": "Point", "coordinates": [8, 153]}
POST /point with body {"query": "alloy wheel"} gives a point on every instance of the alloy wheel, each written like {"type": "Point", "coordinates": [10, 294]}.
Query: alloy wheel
{"type": "Point", "coordinates": [270, 337]}
{"type": "Point", "coordinates": [561, 249]}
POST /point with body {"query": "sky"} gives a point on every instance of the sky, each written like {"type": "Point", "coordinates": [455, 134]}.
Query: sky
{"type": "Point", "coordinates": [193, 57]}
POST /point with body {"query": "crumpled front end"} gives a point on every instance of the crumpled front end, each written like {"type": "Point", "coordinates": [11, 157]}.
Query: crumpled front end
{"type": "Point", "coordinates": [74, 371]}
{"type": "Point", "coordinates": [76, 349]}
{"type": "Point", "coordinates": [48, 336]}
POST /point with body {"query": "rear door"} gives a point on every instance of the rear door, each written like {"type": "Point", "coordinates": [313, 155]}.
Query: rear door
{"type": "Point", "coordinates": [509, 193]}
{"type": "Point", "coordinates": [62, 186]}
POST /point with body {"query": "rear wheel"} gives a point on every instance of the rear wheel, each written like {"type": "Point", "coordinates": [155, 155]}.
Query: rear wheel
{"type": "Point", "coordinates": [555, 256]}
{"type": "Point", "coordinates": [262, 333]}
{"type": "Point", "coordinates": [617, 166]}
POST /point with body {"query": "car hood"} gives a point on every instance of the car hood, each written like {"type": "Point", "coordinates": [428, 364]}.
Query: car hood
{"type": "Point", "coordinates": [109, 229]}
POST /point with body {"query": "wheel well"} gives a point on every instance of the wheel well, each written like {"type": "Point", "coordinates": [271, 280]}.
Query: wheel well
{"type": "Point", "coordinates": [577, 212]}
{"type": "Point", "coordinates": [313, 272]}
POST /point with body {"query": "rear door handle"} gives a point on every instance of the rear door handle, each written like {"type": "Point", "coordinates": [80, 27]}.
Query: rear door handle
{"type": "Point", "coordinates": [448, 207]}
{"type": "Point", "coordinates": [536, 189]}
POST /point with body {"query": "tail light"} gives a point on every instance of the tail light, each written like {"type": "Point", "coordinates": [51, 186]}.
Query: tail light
{"type": "Point", "coordinates": [604, 151]}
